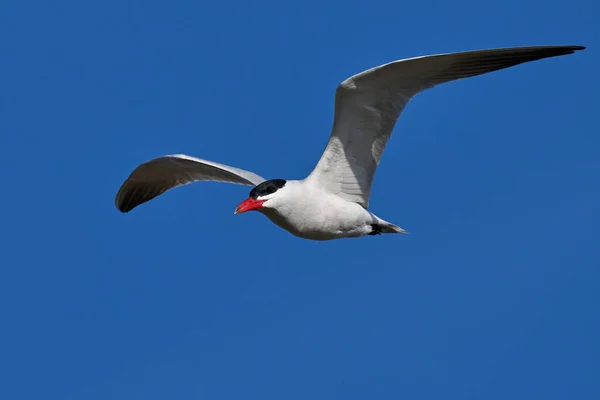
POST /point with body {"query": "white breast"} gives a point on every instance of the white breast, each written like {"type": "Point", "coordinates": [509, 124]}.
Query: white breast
{"type": "Point", "coordinates": [308, 211]}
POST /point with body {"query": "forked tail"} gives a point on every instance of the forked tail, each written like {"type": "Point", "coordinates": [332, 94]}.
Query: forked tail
{"type": "Point", "coordinates": [391, 228]}
{"type": "Point", "coordinates": [382, 226]}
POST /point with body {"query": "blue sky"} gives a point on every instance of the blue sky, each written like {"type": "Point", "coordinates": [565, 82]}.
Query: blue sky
{"type": "Point", "coordinates": [493, 295]}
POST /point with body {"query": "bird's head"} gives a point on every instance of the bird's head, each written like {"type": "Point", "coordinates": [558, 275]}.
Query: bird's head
{"type": "Point", "coordinates": [263, 195]}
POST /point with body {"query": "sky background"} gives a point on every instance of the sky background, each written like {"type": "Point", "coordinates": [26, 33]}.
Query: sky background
{"type": "Point", "coordinates": [495, 294]}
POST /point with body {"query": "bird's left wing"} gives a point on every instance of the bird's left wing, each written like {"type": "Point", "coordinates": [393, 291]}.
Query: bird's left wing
{"type": "Point", "coordinates": [156, 176]}
{"type": "Point", "coordinates": [368, 104]}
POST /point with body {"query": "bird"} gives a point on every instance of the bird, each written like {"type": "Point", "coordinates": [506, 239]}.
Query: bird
{"type": "Point", "coordinates": [332, 201]}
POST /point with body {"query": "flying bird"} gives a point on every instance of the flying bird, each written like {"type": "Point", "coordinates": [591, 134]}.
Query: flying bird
{"type": "Point", "coordinates": [332, 202]}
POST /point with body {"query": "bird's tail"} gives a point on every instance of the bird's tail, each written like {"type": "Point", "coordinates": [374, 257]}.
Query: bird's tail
{"type": "Point", "coordinates": [386, 227]}
{"type": "Point", "coordinates": [391, 228]}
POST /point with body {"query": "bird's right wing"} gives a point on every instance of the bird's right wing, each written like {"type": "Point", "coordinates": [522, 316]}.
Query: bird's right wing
{"type": "Point", "coordinates": [367, 106]}
{"type": "Point", "coordinates": [156, 176]}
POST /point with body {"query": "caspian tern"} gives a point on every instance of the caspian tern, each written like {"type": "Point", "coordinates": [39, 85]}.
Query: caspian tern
{"type": "Point", "coordinates": [332, 202]}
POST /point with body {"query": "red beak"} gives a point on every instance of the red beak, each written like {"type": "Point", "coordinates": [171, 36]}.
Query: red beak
{"type": "Point", "coordinates": [248, 205]}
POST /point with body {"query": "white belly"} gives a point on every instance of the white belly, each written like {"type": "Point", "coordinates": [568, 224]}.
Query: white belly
{"type": "Point", "coordinates": [333, 218]}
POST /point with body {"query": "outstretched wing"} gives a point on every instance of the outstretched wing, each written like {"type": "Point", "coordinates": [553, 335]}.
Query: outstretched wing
{"type": "Point", "coordinates": [368, 105]}
{"type": "Point", "coordinates": [156, 176]}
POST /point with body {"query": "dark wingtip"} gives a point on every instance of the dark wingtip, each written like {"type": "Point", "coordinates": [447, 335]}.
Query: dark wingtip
{"type": "Point", "coordinates": [123, 199]}
{"type": "Point", "coordinates": [131, 195]}
{"type": "Point", "coordinates": [573, 49]}
{"type": "Point", "coordinates": [128, 202]}
{"type": "Point", "coordinates": [564, 50]}
{"type": "Point", "coordinates": [121, 206]}
{"type": "Point", "coordinates": [123, 209]}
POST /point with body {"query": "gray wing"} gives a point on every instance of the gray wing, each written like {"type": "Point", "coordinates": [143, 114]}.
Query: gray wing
{"type": "Point", "coordinates": [368, 105]}
{"type": "Point", "coordinates": [156, 176]}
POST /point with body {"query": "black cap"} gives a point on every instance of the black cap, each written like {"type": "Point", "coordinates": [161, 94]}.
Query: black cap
{"type": "Point", "coordinates": [267, 187]}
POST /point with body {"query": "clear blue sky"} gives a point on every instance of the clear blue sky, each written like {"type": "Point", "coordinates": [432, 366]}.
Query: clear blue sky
{"type": "Point", "coordinates": [495, 294]}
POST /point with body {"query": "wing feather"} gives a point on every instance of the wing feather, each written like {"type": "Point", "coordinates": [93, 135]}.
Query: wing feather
{"type": "Point", "coordinates": [367, 106]}
{"type": "Point", "coordinates": [156, 176]}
